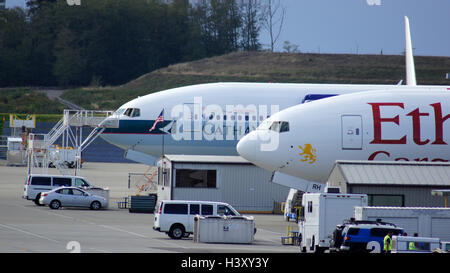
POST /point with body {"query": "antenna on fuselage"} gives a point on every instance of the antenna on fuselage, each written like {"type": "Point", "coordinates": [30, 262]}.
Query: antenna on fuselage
{"type": "Point", "coordinates": [410, 70]}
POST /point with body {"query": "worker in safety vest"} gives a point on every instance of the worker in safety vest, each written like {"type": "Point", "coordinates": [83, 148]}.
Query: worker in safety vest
{"type": "Point", "coordinates": [387, 242]}
{"type": "Point", "coordinates": [412, 245]}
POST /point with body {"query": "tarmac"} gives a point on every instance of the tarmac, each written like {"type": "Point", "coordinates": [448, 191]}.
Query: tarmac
{"type": "Point", "coordinates": [27, 228]}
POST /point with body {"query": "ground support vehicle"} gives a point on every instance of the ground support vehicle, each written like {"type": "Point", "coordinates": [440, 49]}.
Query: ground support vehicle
{"type": "Point", "coordinates": [362, 236]}
{"type": "Point", "coordinates": [323, 212]}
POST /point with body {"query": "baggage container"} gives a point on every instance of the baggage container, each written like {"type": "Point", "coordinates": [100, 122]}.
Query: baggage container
{"type": "Point", "coordinates": [224, 229]}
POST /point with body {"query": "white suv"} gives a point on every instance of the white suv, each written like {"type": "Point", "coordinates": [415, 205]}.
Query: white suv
{"type": "Point", "coordinates": [176, 217]}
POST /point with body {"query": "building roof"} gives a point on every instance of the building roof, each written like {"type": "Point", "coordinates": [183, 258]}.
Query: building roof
{"type": "Point", "coordinates": [207, 159]}
{"type": "Point", "coordinates": [395, 173]}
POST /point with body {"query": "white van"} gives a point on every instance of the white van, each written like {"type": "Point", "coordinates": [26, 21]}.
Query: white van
{"type": "Point", "coordinates": [35, 184]}
{"type": "Point", "coordinates": [176, 217]}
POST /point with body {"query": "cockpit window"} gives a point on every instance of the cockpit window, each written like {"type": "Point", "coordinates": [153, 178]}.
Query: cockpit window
{"type": "Point", "coordinates": [277, 126]}
{"type": "Point", "coordinates": [284, 127]}
{"type": "Point", "coordinates": [128, 112]}
{"type": "Point", "coordinates": [119, 111]}
{"type": "Point", "coordinates": [136, 112]}
{"type": "Point", "coordinates": [132, 112]}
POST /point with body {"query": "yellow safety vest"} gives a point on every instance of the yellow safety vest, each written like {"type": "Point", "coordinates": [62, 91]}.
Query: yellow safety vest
{"type": "Point", "coordinates": [387, 243]}
{"type": "Point", "coordinates": [412, 246]}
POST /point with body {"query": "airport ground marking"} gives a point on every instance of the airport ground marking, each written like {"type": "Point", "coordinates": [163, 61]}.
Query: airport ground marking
{"type": "Point", "coordinates": [123, 230]}
{"type": "Point", "coordinates": [29, 233]}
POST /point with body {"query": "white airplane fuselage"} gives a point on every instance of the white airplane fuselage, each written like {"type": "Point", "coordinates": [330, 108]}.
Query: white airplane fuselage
{"type": "Point", "coordinates": [401, 125]}
{"type": "Point", "coordinates": [210, 119]}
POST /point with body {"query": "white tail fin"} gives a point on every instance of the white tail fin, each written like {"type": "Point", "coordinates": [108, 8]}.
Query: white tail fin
{"type": "Point", "coordinates": [410, 70]}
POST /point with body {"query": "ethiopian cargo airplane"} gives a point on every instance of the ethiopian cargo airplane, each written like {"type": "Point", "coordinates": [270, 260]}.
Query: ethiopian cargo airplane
{"type": "Point", "coordinates": [210, 119]}
{"type": "Point", "coordinates": [304, 141]}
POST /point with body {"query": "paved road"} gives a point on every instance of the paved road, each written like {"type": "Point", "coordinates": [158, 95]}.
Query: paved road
{"type": "Point", "coordinates": [56, 94]}
{"type": "Point", "coordinates": [25, 227]}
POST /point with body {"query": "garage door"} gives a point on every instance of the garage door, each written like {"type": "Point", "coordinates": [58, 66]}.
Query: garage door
{"type": "Point", "coordinates": [409, 225]}
{"type": "Point", "coordinates": [440, 228]}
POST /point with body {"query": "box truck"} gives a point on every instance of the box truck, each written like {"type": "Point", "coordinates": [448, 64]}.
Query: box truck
{"type": "Point", "coordinates": [323, 212]}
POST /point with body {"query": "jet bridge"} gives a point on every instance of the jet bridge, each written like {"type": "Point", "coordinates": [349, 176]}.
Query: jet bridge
{"type": "Point", "coordinates": [42, 150]}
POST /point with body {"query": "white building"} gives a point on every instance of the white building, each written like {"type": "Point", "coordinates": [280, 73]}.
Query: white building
{"type": "Point", "coordinates": [393, 183]}
{"type": "Point", "coordinates": [229, 179]}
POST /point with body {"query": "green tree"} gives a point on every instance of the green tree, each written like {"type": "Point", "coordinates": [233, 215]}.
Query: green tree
{"type": "Point", "coordinates": [251, 24]}
{"type": "Point", "coordinates": [13, 31]}
{"type": "Point", "coordinates": [112, 42]}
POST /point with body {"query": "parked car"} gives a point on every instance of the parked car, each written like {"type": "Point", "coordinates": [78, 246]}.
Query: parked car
{"type": "Point", "coordinates": [72, 197]}
{"type": "Point", "coordinates": [35, 184]}
{"type": "Point", "coordinates": [176, 217]}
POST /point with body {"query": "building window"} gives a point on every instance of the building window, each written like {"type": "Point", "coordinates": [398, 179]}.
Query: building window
{"type": "Point", "coordinates": [187, 178]}
{"type": "Point", "coordinates": [386, 200]}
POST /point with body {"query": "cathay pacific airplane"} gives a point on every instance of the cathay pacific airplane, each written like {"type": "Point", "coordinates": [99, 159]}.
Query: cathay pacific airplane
{"type": "Point", "coordinates": [210, 119]}
{"type": "Point", "coordinates": [305, 141]}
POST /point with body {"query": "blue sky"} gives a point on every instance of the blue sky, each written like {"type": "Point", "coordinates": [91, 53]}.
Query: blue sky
{"type": "Point", "coordinates": [348, 26]}
{"type": "Point", "coordinates": [354, 26]}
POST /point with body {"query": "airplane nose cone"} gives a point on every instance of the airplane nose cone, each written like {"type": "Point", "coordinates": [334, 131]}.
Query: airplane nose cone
{"type": "Point", "coordinates": [254, 150]}
{"type": "Point", "coordinates": [246, 148]}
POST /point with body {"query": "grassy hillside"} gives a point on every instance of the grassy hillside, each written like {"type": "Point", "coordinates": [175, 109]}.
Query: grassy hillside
{"type": "Point", "coordinates": [26, 101]}
{"type": "Point", "coordinates": [267, 67]}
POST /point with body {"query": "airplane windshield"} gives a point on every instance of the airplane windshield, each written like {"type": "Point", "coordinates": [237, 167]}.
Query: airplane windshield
{"type": "Point", "coordinates": [119, 111]}
{"type": "Point", "coordinates": [284, 126]}
{"type": "Point", "coordinates": [131, 112]}
{"type": "Point", "coordinates": [277, 126]}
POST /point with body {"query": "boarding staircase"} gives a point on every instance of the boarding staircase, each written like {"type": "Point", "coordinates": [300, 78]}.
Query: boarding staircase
{"type": "Point", "coordinates": [146, 182]}
{"type": "Point", "coordinates": [42, 150]}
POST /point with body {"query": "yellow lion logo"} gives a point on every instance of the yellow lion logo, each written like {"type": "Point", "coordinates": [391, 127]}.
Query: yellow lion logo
{"type": "Point", "coordinates": [308, 153]}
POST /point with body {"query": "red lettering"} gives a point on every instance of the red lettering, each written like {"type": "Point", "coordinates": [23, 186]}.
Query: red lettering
{"type": "Point", "coordinates": [416, 126]}
{"type": "Point", "coordinates": [439, 123]}
{"type": "Point", "coordinates": [377, 120]}
{"type": "Point", "coordinates": [439, 160]}
{"type": "Point", "coordinates": [372, 156]}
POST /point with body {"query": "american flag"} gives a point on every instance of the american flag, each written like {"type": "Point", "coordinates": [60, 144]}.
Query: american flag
{"type": "Point", "coordinates": [158, 120]}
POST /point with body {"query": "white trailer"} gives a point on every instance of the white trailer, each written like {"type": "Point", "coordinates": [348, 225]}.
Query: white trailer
{"type": "Point", "coordinates": [427, 222]}
{"type": "Point", "coordinates": [323, 211]}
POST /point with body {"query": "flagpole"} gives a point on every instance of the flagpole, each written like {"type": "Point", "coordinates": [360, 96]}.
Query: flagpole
{"type": "Point", "coordinates": [159, 119]}
{"type": "Point", "coordinates": [162, 150]}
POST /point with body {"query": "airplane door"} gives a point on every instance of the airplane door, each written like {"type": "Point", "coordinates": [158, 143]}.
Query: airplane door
{"type": "Point", "coordinates": [351, 132]}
